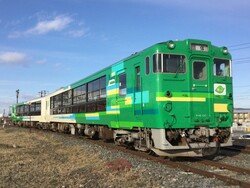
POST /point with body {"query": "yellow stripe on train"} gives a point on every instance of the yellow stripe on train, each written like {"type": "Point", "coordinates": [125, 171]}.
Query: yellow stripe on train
{"type": "Point", "coordinates": [181, 99]}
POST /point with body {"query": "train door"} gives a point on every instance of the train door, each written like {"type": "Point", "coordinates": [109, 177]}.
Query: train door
{"type": "Point", "coordinates": [122, 114]}
{"type": "Point", "coordinates": [138, 92]}
{"type": "Point", "coordinates": [201, 105]}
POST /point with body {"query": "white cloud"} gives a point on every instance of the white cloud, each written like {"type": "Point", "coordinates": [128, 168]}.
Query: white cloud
{"type": "Point", "coordinates": [15, 35]}
{"type": "Point", "coordinates": [78, 33]}
{"type": "Point", "coordinates": [57, 24]}
{"type": "Point", "coordinates": [42, 61]}
{"type": "Point", "coordinates": [12, 58]}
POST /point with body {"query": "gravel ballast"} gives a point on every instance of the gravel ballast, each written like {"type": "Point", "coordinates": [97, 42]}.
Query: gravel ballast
{"type": "Point", "coordinates": [35, 158]}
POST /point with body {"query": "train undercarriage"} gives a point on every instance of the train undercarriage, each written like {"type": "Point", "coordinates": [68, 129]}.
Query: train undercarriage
{"type": "Point", "coordinates": [196, 142]}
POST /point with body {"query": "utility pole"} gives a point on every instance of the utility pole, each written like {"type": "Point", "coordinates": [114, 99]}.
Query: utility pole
{"type": "Point", "coordinates": [43, 93]}
{"type": "Point", "coordinates": [9, 114]}
{"type": "Point", "coordinates": [17, 94]}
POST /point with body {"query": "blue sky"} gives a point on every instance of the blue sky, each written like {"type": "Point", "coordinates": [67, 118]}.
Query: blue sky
{"type": "Point", "coordinates": [48, 44]}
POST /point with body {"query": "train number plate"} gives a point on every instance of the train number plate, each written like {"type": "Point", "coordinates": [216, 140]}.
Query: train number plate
{"type": "Point", "coordinates": [199, 47]}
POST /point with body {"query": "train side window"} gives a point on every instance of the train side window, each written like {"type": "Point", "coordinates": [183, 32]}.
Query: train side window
{"type": "Point", "coordinates": [57, 104]}
{"type": "Point", "coordinates": [147, 65]}
{"type": "Point", "coordinates": [90, 87]}
{"type": "Point", "coordinates": [91, 107]}
{"type": "Point", "coordinates": [199, 70]}
{"type": "Point", "coordinates": [67, 98]}
{"type": "Point", "coordinates": [122, 84]}
{"type": "Point", "coordinates": [138, 78]}
{"type": "Point", "coordinates": [103, 87]}
{"type": "Point", "coordinates": [79, 94]}
{"type": "Point", "coordinates": [35, 108]}
{"type": "Point", "coordinates": [38, 107]}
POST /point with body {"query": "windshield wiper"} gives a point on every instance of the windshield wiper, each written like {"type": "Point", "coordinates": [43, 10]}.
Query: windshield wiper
{"type": "Point", "coordinates": [180, 66]}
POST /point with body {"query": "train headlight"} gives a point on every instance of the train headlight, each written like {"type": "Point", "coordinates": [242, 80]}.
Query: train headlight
{"type": "Point", "coordinates": [171, 44]}
{"type": "Point", "coordinates": [224, 50]}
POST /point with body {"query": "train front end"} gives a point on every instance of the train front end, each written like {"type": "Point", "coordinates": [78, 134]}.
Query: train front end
{"type": "Point", "coordinates": [194, 98]}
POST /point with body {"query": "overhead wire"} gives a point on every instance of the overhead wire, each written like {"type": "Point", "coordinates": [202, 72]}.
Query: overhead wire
{"type": "Point", "coordinates": [241, 46]}
{"type": "Point", "coordinates": [236, 45]}
{"type": "Point", "coordinates": [244, 60]}
{"type": "Point", "coordinates": [242, 86]}
{"type": "Point", "coordinates": [242, 63]}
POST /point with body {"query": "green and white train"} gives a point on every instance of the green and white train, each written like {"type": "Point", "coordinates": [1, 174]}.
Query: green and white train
{"type": "Point", "coordinates": [173, 98]}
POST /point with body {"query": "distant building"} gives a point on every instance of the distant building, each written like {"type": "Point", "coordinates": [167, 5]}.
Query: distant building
{"type": "Point", "coordinates": [241, 115]}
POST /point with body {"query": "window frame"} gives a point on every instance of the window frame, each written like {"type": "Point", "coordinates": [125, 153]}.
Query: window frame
{"type": "Point", "coordinates": [161, 67]}
{"type": "Point", "coordinates": [206, 68]}
{"type": "Point", "coordinates": [73, 105]}
{"type": "Point", "coordinates": [121, 86]}
{"type": "Point", "coordinates": [229, 64]}
{"type": "Point", "coordinates": [138, 78]}
{"type": "Point", "coordinates": [147, 65]}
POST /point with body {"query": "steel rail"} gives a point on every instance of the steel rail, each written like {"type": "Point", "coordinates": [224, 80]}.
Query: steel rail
{"type": "Point", "coordinates": [237, 149]}
{"type": "Point", "coordinates": [225, 166]}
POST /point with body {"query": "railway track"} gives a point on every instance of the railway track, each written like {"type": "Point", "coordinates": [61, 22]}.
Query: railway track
{"type": "Point", "coordinates": [187, 168]}
{"type": "Point", "coordinates": [180, 165]}
{"type": "Point", "coordinates": [224, 166]}
{"type": "Point", "coordinates": [238, 148]}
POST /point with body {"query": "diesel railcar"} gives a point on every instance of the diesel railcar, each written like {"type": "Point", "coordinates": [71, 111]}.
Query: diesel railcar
{"type": "Point", "coordinates": [174, 98]}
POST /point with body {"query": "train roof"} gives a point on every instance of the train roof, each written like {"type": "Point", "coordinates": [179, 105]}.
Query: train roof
{"type": "Point", "coordinates": [102, 71]}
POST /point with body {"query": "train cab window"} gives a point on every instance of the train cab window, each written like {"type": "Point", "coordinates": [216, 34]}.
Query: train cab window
{"type": "Point", "coordinates": [147, 65]}
{"type": "Point", "coordinates": [221, 67]}
{"type": "Point", "coordinates": [199, 70]}
{"type": "Point", "coordinates": [157, 63]}
{"type": "Point", "coordinates": [122, 84]}
{"type": "Point", "coordinates": [169, 63]}
{"type": "Point", "coordinates": [173, 63]}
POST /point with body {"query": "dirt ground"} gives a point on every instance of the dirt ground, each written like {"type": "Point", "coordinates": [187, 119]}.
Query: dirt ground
{"type": "Point", "coordinates": [45, 159]}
